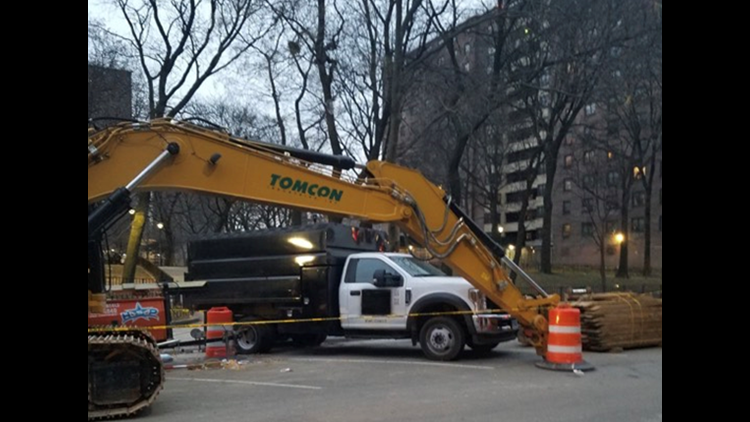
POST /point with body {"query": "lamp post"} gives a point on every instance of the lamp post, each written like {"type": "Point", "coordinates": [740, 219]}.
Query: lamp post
{"type": "Point", "coordinates": [619, 240]}
{"type": "Point", "coordinates": [160, 248]}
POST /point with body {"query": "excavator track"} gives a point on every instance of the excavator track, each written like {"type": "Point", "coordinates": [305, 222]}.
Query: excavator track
{"type": "Point", "coordinates": [125, 374]}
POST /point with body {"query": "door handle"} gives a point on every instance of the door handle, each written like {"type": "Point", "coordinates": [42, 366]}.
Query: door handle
{"type": "Point", "coordinates": [408, 296]}
{"type": "Point", "coordinates": [355, 293]}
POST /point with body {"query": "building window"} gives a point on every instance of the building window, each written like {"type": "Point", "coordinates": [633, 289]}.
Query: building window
{"type": "Point", "coordinates": [544, 99]}
{"type": "Point", "coordinates": [568, 185]}
{"type": "Point", "coordinates": [639, 199]}
{"type": "Point", "coordinates": [570, 141]}
{"type": "Point", "coordinates": [540, 190]}
{"type": "Point", "coordinates": [638, 225]}
{"type": "Point", "coordinates": [567, 207]}
{"type": "Point", "coordinates": [467, 49]}
{"type": "Point", "coordinates": [613, 204]}
{"type": "Point", "coordinates": [610, 155]}
{"type": "Point", "coordinates": [567, 230]}
{"type": "Point", "coordinates": [589, 156]}
{"type": "Point", "coordinates": [587, 230]}
{"type": "Point", "coordinates": [589, 182]}
{"type": "Point", "coordinates": [613, 179]}
{"type": "Point", "coordinates": [613, 127]}
{"type": "Point", "coordinates": [588, 205]}
{"type": "Point", "coordinates": [569, 160]}
{"type": "Point", "coordinates": [467, 66]}
{"type": "Point", "coordinates": [591, 109]}
{"type": "Point", "coordinates": [491, 51]}
{"type": "Point", "coordinates": [545, 80]}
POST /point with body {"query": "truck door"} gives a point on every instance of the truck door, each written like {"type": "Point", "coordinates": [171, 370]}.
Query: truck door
{"type": "Point", "coordinates": [367, 307]}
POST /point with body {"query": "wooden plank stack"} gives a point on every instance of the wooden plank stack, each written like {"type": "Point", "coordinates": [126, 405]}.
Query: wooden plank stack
{"type": "Point", "coordinates": [618, 321]}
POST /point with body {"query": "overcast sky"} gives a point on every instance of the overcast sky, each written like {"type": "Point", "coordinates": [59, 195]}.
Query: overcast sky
{"type": "Point", "coordinates": [242, 88]}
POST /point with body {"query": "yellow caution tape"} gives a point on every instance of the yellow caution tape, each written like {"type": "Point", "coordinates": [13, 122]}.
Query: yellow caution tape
{"type": "Point", "coordinates": [287, 321]}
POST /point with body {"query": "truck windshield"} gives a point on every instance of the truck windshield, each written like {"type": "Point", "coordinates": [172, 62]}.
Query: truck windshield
{"type": "Point", "coordinates": [417, 268]}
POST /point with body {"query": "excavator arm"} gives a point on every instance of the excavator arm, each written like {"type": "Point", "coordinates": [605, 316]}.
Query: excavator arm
{"type": "Point", "coordinates": [213, 162]}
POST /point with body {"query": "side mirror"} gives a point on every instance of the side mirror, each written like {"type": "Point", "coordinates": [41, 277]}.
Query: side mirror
{"type": "Point", "coordinates": [382, 279]}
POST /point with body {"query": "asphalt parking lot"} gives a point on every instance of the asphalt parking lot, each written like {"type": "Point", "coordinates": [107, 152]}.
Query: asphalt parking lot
{"type": "Point", "coordinates": [374, 381]}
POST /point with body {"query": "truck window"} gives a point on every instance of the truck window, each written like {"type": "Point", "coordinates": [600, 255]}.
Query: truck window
{"type": "Point", "coordinates": [417, 268]}
{"type": "Point", "coordinates": [363, 270]}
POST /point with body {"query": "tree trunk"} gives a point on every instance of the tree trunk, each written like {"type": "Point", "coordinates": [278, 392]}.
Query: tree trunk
{"type": "Point", "coordinates": [494, 215]}
{"type": "Point", "coordinates": [136, 235]}
{"type": "Point", "coordinates": [296, 218]}
{"type": "Point", "coordinates": [648, 185]}
{"type": "Point", "coordinates": [326, 80]}
{"type": "Point", "coordinates": [522, 216]}
{"type": "Point", "coordinates": [603, 264]}
{"type": "Point", "coordinates": [550, 159]}
{"type": "Point", "coordinates": [623, 271]}
{"type": "Point", "coordinates": [167, 249]}
{"type": "Point", "coordinates": [647, 235]}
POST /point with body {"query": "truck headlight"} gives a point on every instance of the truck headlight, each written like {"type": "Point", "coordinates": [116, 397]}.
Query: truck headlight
{"type": "Point", "coordinates": [478, 299]}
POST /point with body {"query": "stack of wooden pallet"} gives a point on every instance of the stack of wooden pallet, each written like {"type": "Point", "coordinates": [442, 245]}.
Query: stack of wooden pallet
{"type": "Point", "coordinates": [620, 321]}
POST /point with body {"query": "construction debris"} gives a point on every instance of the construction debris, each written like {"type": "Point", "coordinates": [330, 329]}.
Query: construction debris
{"type": "Point", "coordinates": [620, 321]}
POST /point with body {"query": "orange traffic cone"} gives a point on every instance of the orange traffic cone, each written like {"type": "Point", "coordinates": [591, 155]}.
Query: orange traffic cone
{"type": "Point", "coordinates": [216, 345]}
{"type": "Point", "coordinates": [565, 348]}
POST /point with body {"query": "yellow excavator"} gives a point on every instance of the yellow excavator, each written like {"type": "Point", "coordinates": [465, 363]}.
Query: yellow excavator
{"type": "Point", "coordinates": [125, 374]}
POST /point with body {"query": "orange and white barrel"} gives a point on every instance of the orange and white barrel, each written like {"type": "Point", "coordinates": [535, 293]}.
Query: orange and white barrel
{"type": "Point", "coordinates": [565, 345]}
{"type": "Point", "coordinates": [219, 322]}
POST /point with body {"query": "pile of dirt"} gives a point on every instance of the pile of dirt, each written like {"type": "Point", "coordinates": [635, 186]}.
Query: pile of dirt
{"type": "Point", "coordinates": [619, 321]}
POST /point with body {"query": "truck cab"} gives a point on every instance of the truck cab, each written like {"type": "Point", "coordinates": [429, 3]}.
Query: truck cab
{"type": "Point", "coordinates": [333, 280]}
{"type": "Point", "coordinates": [400, 293]}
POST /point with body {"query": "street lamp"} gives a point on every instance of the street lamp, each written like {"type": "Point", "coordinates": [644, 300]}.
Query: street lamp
{"type": "Point", "coordinates": [160, 226]}
{"type": "Point", "coordinates": [620, 238]}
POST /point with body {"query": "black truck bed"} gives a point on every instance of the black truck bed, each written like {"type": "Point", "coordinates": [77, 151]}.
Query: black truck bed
{"type": "Point", "coordinates": [271, 273]}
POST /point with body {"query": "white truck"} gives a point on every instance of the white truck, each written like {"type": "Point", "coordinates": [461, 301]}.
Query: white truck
{"type": "Point", "coordinates": [310, 283]}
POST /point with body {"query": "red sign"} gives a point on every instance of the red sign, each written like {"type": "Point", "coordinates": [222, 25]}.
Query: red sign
{"type": "Point", "coordinates": [141, 313]}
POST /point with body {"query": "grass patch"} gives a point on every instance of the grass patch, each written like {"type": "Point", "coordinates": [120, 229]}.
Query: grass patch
{"type": "Point", "coordinates": [563, 279]}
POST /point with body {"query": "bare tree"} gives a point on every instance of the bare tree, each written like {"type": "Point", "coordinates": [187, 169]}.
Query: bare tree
{"type": "Point", "coordinates": [104, 49]}
{"type": "Point", "coordinates": [567, 52]}
{"type": "Point", "coordinates": [183, 43]}
{"type": "Point", "coordinates": [599, 199]}
{"type": "Point", "coordinates": [321, 44]}
{"type": "Point", "coordinates": [179, 46]}
{"type": "Point", "coordinates": [633, 91]}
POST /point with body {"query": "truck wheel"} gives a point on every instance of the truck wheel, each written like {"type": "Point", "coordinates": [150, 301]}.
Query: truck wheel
{"type": "Point", "coordinates": [254, 339]}
{"type": "Point", "coordinates": [442, 339]}
{"type": "Point", "coordinates": [308, 340]}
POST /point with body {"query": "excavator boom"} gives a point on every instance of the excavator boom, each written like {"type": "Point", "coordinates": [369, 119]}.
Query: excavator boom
{"type": "Point", "coordinates": [213, 162]}
{"type": "Point", "coordinates": [187, 157]}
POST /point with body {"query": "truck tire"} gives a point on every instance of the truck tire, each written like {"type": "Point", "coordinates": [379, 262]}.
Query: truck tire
{"type": "Point", "coordinates": [442, 339]}
{"type": "Point", "coordinates": [254, 339]}
{"type": "Point", "coordinates": [308, 340]}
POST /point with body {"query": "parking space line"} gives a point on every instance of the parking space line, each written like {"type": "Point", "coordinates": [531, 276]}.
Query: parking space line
{"type": "Point", "coordinates": [396, 362]}
{"type": "Point", "coordinates": [251, 383]}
